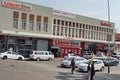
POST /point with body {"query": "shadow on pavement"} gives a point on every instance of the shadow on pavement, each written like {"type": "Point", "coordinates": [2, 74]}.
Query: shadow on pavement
{"type": "Point", "coordinates": [69, 76]}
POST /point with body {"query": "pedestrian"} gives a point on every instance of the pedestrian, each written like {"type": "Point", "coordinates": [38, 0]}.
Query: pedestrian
{"type": "Point", "coordinates": [72, 65]}
{"type": "Point", "coordinates": [88, 70]}
{"type": "Point", "coordinates": [92, 70]}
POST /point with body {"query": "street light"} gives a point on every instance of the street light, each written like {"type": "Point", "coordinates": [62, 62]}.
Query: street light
{"type": "Point", "coordinates": [108, 33]}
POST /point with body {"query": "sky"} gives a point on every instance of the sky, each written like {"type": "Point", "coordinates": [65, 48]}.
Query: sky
{"type": "Point", "coordinates": [91, 8]}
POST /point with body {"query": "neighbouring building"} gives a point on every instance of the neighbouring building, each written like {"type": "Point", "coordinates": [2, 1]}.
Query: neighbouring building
{"type": "Point", "coordinates": [117, 43]}
{"type": "Point", "coordinates": [25, 27]}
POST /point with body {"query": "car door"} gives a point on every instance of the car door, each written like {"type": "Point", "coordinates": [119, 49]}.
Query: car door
{"type": "Point", "coordinates": [97, 65]}
{"type": "Point", "coordinates": [13, 55]}
{"type": "Point", "coordinates": [9, 55]}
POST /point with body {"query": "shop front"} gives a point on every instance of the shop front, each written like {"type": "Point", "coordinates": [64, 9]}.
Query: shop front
{"type": "Point", "coordinates": [61, 48]}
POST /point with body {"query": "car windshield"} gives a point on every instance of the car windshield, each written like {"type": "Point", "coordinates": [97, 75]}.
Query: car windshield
{"type": "Point", "coordinates": [69, 59]}
{"type": "Point", "coordinates": [86, 62]}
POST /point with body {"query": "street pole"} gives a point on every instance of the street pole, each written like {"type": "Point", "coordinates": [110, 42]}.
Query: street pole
{"type": "Point", "coordinates": [108, 33]}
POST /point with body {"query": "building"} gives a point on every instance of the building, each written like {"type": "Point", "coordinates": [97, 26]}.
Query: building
{"type": "Point", "coordinates": [25, 27]}
{"type": "Point", "coordinates": [117, 43]}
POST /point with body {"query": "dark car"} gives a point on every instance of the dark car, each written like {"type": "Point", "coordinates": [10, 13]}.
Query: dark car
{"type": "Point", "coordinates": [111, 61]}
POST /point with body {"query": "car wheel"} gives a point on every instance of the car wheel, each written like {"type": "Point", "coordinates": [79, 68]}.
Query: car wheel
{"type": "Point", "coordinates": [38, 59]}
{"type": "Point", "coordinates": [50, 59]}
{"type": "Point", "coordinates": [4, 57]}
{"type": "Point", "coordinates": [20, 58]}
{"type": "Point", "coordinates": [102, 69]}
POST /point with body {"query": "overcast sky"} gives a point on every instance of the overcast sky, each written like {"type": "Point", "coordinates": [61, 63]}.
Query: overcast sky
{"type": "Point", "coordinates": [91, 8]}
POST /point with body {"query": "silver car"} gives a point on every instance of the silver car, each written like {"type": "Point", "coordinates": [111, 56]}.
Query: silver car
{"type": "Point", "coordinates": [67, 62]}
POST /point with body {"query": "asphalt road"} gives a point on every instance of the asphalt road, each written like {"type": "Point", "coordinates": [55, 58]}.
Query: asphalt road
{"type": "Point", "coordinates": [47, 70]}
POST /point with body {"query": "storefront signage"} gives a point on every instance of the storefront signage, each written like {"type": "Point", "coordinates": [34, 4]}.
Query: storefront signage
{"type": "Point", "coordinates": [105, 24]}
{"type": "Point", "coordinates": [66, 43]}
{"type": "Point", "coordinates": [64, 14]}
{"type": "Point", "coordinates": [15, 5]}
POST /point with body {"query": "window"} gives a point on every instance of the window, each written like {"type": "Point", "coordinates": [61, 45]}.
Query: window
{"type": "Point", "coordinates": [31, 24]}
{"type": "Point", "coordinates": [24, 17]}
{"type": "Point", "coordinates": [45, 28]}
{"type": "Point", "coordinates": [54, 28]}
{"type": "Point", "coordinates": [23, 24]}
{"type": "Point", "coordinates": [38, 26]}
{"type": "Point", "coordinates": [15, 23]}
{"type": "Point", "coordinates": [38, 23]}
{"type": "Point", "coordinates": [58, 28]}
{"type": "Point", "coordinates": [61, 31]}
{"type": "Point", "coordinates": [15, 19]}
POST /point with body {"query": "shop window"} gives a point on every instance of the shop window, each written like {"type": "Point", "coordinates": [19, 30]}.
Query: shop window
{"type": "Point", "coordinates": [23, 24]}
{"type": "Point", "coordinates": [15, 23]}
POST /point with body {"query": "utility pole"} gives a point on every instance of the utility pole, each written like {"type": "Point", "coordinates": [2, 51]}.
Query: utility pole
{"type": "Point", "coordinates": [108, 33]}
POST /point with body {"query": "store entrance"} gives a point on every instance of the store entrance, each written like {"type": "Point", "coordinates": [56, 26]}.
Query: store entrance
{"type": "Point", "coordinates": [56, 51]}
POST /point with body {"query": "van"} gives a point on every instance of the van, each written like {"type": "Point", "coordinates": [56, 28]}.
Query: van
{"type": "Point", "coordinates": [41, 55]}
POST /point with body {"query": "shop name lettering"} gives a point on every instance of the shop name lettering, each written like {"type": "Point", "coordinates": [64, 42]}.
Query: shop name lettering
{"type": "Point", "coordinates": [105, 24]}
{"type": "Point", "coordinates": [16, 5]}
{"type": "Point", "coordinates": [67, 43]}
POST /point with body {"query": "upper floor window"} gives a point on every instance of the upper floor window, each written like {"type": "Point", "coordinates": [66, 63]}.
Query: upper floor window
{"type": "Point", "coordinates": [15, 23]}
{"type": "Point", "coordinates": [38, 23]}
{"type": "Point", "coordinates": [38, 26]}
{"type": "Point", "coordinates": [23, 24]}
{"type": "Point", "coordinates": [24, 17]}
{"type": "Point", "coordinates": [31, 24]}
{"type": "Point", "coordinates": [45, 27]}
{"type": "Point", "coordinates": [31, 21]}
{"type": "Point", "coordinates": [15, 19]}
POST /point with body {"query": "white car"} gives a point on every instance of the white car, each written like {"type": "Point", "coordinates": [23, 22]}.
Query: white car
{"type": "Point", "coordinates": [98, 64]}
{"type": "Point", "coordinates": [67, 62]}
{"type": "Point", "coordinates": [11, 55]}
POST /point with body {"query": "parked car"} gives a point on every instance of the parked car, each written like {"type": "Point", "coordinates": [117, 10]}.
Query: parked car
{"type": "Point", "coordinates": [67, 62]}
{"type": "Point", "coordinates": [116, 55]}
{"type": "Point", "coordinates": [11, 55]}
{"type": "Point", "coordinates": [41, 55]}
{"type": "Point", "coordinates": [98, 64]}
{"type": "Point", "coordinates": [111, 61]}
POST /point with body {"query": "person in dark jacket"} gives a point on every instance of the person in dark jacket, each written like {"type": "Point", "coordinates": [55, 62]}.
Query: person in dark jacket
{"type": "Point", "coordinates": [92, 71]}
{"type": "Point", "coordinates": [72, 65]}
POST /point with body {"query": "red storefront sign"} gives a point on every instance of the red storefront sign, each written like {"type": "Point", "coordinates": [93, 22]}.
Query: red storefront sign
{"type": "Point", "coordinates": [15, 5]}
{"type": "Point", "coordinates": [105, 24]}
{"type": "Point", "coordinates": [67, 46]}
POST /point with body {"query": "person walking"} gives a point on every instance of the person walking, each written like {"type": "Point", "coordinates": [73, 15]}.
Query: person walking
{"type": "Point", "coordinates": [88, 70]}
{"type": "Point", "coordinates": [92, 71]}
{"type": "Point", "coordinates": [72, 65]}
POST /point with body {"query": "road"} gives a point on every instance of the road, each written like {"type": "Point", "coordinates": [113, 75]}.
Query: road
{"type": "Point", "coordinates": [47, 70]}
